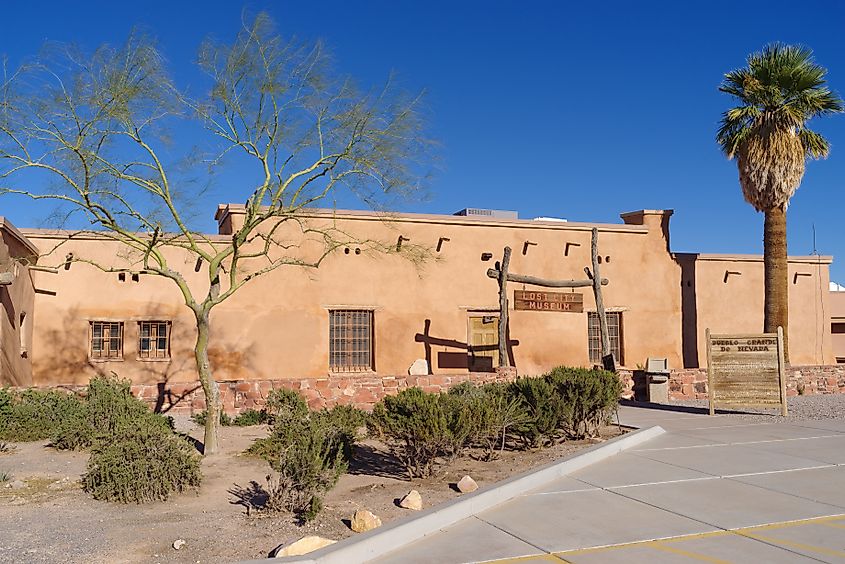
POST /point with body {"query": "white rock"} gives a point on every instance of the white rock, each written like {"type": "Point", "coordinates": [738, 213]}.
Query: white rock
{"type": "Point", "coordinates": [16, 485]}
{"type": "Point", "coordinates": [178, 544]}
{"type": "Point", "coordinates": [467, 485]}
{"type": "Point", "coordinates": [363, 521]}
{"type": "Point", "coordinates": [419, 368]}
{"type": "Point", "coordinates": [303, 546]}
{"type": "Point", "coordinates": [412, 500]}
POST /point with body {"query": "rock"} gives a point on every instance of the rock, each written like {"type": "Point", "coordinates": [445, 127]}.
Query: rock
{"type": "Point", "coordinates": [419, 368]}
{"type": "Point", "coordinates": [303, 546]}
{"type": "Point", "coordinates": [363, 521]}
{"type": "Point", "coordinates": [412, 500]}
{"type": "Point", "coordinates": [467, 485]}
{"type": "Point", "coordinates": [16, 485]}
{"type": "Point", "coordinates": [178, 544]}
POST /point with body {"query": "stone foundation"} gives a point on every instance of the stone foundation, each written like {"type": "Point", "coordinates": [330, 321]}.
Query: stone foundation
{"type": "Point", "coordinates": [691, 383]}
{"type": "Point", "coordinates": [361, 391]}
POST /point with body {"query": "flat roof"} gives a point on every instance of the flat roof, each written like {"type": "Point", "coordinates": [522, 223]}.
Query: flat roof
{"type": "Point", "coordinates": [223, 210]}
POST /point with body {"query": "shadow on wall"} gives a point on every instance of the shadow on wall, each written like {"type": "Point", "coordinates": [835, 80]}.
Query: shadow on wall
{"type": "Point", "coordinates": [451, 360]}
{"type": "Point", "coordinates": [62, 360]}
{"type": "Point", "coordinates": [689, 309]}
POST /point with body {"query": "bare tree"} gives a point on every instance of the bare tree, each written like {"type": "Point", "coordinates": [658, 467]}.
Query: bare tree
{"type": "Point", "coordinates": [90, 133]}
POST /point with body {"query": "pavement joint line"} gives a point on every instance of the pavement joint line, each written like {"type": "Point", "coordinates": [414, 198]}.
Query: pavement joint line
{"type": "Point", "coordinates": [769, 489]}
{"type": "Point", "coordinates": [689, 554]}
{"type": "Point", "coordinates": [715, 534]}
{"type": "Point", "coordinates": [747, 474]}
{"type": "Point", "coordinates": [658, 483]}
{"type": "Point", "coordinates": [517, 537]}
{"type": "Point", "coordinates": [775, 541]}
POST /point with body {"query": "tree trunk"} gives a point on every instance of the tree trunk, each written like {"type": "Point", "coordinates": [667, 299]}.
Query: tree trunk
{"type": "Point", "coordinates": [209, 386]}
{"type": "Point", "coordinates": [776, 275]}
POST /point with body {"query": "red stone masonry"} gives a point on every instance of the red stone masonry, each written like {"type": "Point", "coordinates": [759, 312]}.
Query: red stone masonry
{"type": "Point", "coordinates": [364, 390]}
{"type": "Point", "coordinates": [691, 383]}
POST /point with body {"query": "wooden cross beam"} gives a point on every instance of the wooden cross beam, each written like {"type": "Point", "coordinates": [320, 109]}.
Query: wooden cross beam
{"type": "Point", "coordinates": [534, 281]}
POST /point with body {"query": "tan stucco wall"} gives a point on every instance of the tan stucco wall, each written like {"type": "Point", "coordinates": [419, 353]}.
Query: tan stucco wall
{"type": "Point", "coordinates": [17, 301]}
{"type": "Point", "coordinates": [837, 314]}
{"type": "Point", "coordinates": [729, 299]}
{"type": "Point", "coordinates": [277, 325]}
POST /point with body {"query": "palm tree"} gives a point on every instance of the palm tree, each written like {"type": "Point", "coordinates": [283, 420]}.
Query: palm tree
{"type": "Point", "coordinates": [778, 92]}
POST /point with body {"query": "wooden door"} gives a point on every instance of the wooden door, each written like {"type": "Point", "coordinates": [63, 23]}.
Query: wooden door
{"type": "Point", "coordinates": [483, 343]}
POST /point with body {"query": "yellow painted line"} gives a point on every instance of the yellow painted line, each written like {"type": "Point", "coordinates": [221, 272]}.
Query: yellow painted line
{"type": "Point", "coordinates": [537, 558]}
{"type": "Point", "coordinates": [794, 544]}
{"type": "Point", "coordinates": [832, 524]}
{"type": "Point", "coordinates": [693, 555]}
{"type": "Point", "coordinates": [796, 523]}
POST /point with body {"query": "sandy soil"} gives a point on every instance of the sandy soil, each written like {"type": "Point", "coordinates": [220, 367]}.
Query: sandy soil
{"type": "Point", "coordinates": [52, 519]}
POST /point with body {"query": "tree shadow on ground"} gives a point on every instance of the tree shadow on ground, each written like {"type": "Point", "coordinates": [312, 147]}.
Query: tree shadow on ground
{"type": "Point", "coordinates": [369, 461]}
{"type": "Point", "coordinates": [252, 497]}
{"type": "Point", "coordinates": [685, 408]}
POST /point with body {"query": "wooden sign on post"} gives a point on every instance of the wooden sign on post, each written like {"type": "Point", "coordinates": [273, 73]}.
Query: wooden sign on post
{"type": "Point", "coordinates": [746, 371]}
{"type": "Point", "coordinates": [548, 301]}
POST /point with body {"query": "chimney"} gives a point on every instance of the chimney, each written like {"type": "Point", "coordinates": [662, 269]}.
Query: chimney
{"type": "Point", "coordinates": [229, 218]}
{"type": "Point", "coordinates": [657, 221]}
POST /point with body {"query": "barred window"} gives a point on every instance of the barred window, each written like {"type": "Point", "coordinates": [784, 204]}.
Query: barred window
{"type": "Point", "coordinates": [106, 339]}
{"type": "Point", "coordinates": [154, 339]}
{"type": "Point", "coordinates": [350, 340]}
{"type": "Point", "coordinates": [614, 331]}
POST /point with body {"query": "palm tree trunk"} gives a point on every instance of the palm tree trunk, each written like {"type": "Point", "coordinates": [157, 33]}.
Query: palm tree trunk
{"type": "Point", "coordinates": [776, 275]}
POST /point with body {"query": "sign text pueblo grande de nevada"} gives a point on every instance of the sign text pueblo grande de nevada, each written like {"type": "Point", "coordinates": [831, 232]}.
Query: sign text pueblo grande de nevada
{"type": "Point", "coordinates": [548, 301]}
{"type": "Point", "coordinates": [746, 371]}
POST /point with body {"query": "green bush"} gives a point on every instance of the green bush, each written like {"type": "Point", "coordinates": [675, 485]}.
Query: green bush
{"type": "Point", "coordinates": [141, 463]}
{"type": "Point", "coordinates": [591, 397]}
{"type": "Point", "coordinates": [545, 414]}
{"type": "Point", "coordinates": [200, 417]}
{"type": "Point", "coordinates": [493, 412]}
{"type": "Point", "coordinates": [308, 452]}
{"type": "Point", "coordinates": [35, 415]}
{"type": "Point", "coordinates": [284, 403]}
{"type": "Point", "coordinates": [108, 408]}
{"type": "Point", "coordinates": [421, 428]}
{"type": "Point", "coordinates": [251, 417]}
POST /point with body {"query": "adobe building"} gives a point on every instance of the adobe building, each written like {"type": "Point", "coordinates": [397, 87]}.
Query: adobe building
{"type": "Point", "coordinates": [367, 323]}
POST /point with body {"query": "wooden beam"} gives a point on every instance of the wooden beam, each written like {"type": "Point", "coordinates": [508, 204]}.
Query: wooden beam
{"type": "Point", "coordinates": [606, 355]}
{"type": "Point", "coordinates": [503, 307]}
{"type": "Point", "coordinates": [534, 281]}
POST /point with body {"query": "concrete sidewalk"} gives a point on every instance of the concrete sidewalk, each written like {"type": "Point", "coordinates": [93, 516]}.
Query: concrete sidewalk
{"type": "Point", "coordinates": [722, 489]}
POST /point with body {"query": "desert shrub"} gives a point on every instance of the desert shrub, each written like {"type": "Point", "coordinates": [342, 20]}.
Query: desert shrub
{"type": "Point", "coordinates": [108, 408]}
{"type": "Point", "coordinates": [421, 427]}
{"type": "Point", "coordinates": [5, 477]}
{"type": "Point", "coordinates": [545, 414]}
{"type": "Point", "coordinates": [251, 417]}
{"type": "Point", "coordinates": [200, 417]}
{"type": "Point", "coordinates": [283, 403]}
{"type": "Point", "coordinates": [308, 453]}
{"type": "Point", "coordinates": [143, 462]}
{"type": "Point", "coordinates": [493, 412]}
{"type": "Point", "coordinates": [591, 396]}
{"type": "Point", "coordinates": [6, 448]}
{"type": "Point", "coordinates": [35, 415]}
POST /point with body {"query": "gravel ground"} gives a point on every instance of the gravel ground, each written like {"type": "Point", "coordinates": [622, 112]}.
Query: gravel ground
{"type": "Point", "coordinates": [801, 408]}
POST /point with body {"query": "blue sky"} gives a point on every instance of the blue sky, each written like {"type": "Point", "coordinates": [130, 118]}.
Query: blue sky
{"type": "Point", "coordinates": [575, 110]}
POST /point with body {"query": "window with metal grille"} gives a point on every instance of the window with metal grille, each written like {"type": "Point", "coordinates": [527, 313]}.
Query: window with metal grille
{"type": "Point", "coordinates": [154, 339]}
{"type": "Point", "coordinates": [614, 331]}
{"type": "Point", "coordinates": [106, 339]}
{"type": "Point", "coordinates": [350, 340]}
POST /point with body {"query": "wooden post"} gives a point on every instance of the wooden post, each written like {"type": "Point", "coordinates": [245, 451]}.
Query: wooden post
{"type": "Point", "coordinates": [609, 363]}
{"type": "Point", "coordinates": [503, 308]}
{"type": "Point", "coordinates": [711, 391]}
